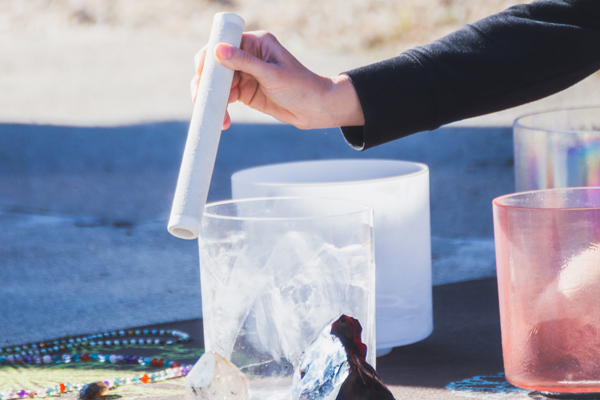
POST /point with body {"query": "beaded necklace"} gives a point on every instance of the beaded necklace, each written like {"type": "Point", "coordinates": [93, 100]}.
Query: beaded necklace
{"type": "Point", "coordinates": [39, 353]}
{"type": "Point", "coordinates": [98, 339]}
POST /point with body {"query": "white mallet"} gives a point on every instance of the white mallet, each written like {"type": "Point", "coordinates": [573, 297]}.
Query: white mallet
{"type": "Point", "coordinates": [205, 131]}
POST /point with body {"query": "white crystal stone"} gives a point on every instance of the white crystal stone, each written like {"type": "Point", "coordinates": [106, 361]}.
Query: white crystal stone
{"type": "Point", "coordinates": [41, 393]}
{"type": "Point", "coordinates": [322, 369]}
{"type": "Point", "coordinates": [213, 377]}
{"type": "Point", "coordinates": [170, 373]}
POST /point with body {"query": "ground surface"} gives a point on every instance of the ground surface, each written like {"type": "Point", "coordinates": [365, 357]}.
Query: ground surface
{"type": "Point", "coordinates": [84, 243]}
{"type": "Point", "coordinates": [88, 163]}
{"type": "Point", "coordinates": [461, 359]}
{"type": "Point", "coordinates": [116, 62]}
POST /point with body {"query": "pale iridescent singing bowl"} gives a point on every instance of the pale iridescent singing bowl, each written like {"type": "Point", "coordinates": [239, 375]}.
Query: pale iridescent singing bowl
{"type": "Point", "coordinates": [557, 149]}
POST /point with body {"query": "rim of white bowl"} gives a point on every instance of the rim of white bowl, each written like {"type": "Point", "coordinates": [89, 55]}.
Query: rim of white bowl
{"type": "Point", "coordinates": [423, 169]}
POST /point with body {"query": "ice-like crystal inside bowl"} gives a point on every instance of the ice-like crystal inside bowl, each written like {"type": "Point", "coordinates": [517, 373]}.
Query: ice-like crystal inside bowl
{"type": "Point", "coordinates": [270, 285]}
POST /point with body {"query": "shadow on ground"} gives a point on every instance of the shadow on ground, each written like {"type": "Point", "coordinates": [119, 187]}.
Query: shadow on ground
{"type": "Point", "coordinates": [84, 211]}
{"type": "Point", "coordinates": [465, 341]}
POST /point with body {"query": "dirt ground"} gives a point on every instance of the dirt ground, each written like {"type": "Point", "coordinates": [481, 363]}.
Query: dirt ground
{"type": "Point", "coordinates": [355, 26]}
{"type": "Point", "coordinates": [111, 62]}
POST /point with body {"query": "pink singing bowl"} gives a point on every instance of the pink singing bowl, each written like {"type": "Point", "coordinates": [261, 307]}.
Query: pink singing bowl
{"type": "Point", "coordinates": [548, 262]}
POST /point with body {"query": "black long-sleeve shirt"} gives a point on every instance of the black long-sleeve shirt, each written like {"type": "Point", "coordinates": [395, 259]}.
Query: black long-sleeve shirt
{"type": "Point", "coordinates": [514, 57]}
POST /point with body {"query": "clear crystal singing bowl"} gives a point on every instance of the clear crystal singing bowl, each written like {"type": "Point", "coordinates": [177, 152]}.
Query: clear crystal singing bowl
{"type": "Point", "coordinates": [556, 149]}
{"type": "Point", "coordinates": [548, 263]}
{"type": "Point", "coordinates": [274, 272]}
{"type": "Point", "coordinates": [399, 194]}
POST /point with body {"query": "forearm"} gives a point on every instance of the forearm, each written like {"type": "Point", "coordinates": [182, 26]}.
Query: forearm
{"type": "Point", "coordinates": [522, 54]}
{"type": "Point", "coordinates": [343, 103]}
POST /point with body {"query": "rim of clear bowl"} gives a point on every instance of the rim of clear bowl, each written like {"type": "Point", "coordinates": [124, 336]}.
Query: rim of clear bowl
{"type": "Point", "coordinates": [366, 208]}
{"type": "Point", "coordinates": [518, 123]}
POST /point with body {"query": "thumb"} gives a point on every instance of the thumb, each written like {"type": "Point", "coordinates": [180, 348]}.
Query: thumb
{"type": "Point", "coordinates": [239, 60]}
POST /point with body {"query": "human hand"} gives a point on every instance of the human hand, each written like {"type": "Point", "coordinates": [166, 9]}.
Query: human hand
{"type": "Point", "coordinates": [269, 79]}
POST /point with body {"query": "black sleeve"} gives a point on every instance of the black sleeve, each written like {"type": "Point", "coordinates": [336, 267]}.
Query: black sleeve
{"type": "Point", "coordinates": [517, 56]}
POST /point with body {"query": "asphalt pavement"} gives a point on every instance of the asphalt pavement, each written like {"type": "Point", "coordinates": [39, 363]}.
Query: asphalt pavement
{"type": "Point", "coordinates": [84, 244]}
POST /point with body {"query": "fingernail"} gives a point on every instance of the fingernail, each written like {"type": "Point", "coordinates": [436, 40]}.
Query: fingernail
{"type": "Point", "coordinates": [225, 52]}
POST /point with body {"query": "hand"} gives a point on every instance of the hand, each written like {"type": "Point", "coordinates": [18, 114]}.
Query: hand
{"type": "Point", "coordinates": [269, 79]}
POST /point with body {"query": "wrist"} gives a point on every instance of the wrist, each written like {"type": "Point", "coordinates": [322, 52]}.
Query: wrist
{"type": "Point", "coordinates": [343, 103]}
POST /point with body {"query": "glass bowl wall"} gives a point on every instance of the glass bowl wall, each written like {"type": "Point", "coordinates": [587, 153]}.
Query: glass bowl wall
{"type": "Point", "coordinates": [548, 264]}
{"type": "Point", "coordinates": [556, 149]}
{"type": "Point", "coordinates": [399, 194]}
{"type": "Point", "coordinates": [274, 272]}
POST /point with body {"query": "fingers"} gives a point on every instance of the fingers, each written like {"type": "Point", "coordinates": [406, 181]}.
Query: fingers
{"type": "Point", "coordinates": [199, 65]}
{"type": "Point", "coordinates": [194, 87]}
{"type": "Point", "coordinates": [239, 60]}
{"type": "Point", "coordinates": [236, 79]}
{"type": "Point", "coordinates": [199, 60]}
{"type": "Point", "coordinates": [234, 95]}
{"type": "Point", "coordinates": [226, 121]}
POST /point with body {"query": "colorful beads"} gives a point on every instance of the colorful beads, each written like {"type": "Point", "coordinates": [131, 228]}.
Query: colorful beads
{"type": "Point", "coordinates": [36, 356]}
{"type": "Point", "coordinates": [69, 387]}
{"type": "Point", "coordinates": [114, 338]}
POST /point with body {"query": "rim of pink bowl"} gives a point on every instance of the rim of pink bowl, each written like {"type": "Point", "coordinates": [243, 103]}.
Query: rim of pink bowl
{"type": "Point", "coordinates": [497, 202]}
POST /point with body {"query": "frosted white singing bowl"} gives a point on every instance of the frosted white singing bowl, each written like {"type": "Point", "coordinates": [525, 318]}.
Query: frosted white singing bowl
{"type": "Point", "coordinates": [399, 194]}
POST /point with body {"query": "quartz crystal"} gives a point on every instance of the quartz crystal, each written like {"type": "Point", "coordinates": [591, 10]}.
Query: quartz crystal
{"type": "Point", "coordinates": [213, 377]}
{"type": "Point", "coordinates": [322, 369]}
